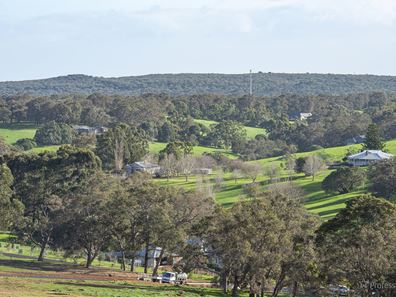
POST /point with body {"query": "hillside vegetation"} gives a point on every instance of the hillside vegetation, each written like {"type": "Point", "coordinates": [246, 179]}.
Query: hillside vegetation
{"type": "Point", "coordinates": [190, 84]}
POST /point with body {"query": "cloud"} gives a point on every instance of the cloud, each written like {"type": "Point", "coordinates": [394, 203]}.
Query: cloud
{"type": "Point", "coordinates": [361, 12]}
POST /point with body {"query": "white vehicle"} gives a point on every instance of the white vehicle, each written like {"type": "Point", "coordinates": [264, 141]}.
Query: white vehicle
{"type": "Point", "coordinates": [174, 278]}
{"type": "Point", "coordinates": [156, 278]}
{"type": "Point", "coordinates": [343, 291]}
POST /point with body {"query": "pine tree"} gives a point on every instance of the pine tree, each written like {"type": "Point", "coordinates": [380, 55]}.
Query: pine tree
{"type": "Point", "coordinates": [373, 139]}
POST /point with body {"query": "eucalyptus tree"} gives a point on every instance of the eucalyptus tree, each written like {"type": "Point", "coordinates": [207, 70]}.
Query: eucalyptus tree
{"type": "Point", "coordinates": [41, 182]}
{"type": "Point", "coordinates": [10, 209]}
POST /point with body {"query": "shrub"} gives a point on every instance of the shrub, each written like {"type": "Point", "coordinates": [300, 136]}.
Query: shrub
{"type": "Point", "coordinates": [25, 144]}
{"type": "Point", "coordinates": [344, 180]}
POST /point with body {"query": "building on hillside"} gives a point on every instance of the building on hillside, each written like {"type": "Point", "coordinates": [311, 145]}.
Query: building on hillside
{"type": "Point", "coordinates": [300, 116]}
{"type": "Point", "coordinates": [83, 129]}
{"type": "Point", "coordinates": [355, 140]}
{"type": "Point", "coordinates": [202, 171]}
{"type": "Point", "coordinates": [368, 157]}
{"type": "Point", "coordinates": [150, 168]}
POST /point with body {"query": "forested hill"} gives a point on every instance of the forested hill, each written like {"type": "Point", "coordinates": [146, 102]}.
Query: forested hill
{"type": "Point", "coordinates": [190, 84]}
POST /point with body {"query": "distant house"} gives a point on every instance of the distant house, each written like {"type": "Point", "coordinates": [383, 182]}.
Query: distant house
{"type": "Point", "coordinates": [82, 129]}
{"type": "Point", "coordinates": [368, 157]}
{"type": "Point", "coordinates": [150, 168]}
{"type": "Point", "coordinates": [300, 116]}
{"type": "Point", "coordinates": [355, 140]}
{"type": "Point", "coordinates": [202, 171]}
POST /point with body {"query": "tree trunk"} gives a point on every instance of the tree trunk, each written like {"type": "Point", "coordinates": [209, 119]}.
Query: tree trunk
{"type": "Point", "coordinates": [224, 283]}
{"type": "Point", "coordinates": [251, 293]}
{"type": "Point", "coordinates": [123, 267]}
{"type": "Point", "coordinates": [235, 287]}
{"type": "Point", "coordinates": [279, 284]}
{"type": "Point", "coordinates": [262, 290]}
{"type": "Point", "coordinates": [42, 249]}
{"type": "Point", "coordinates": [146, 254]}
{"type": "Point", "coordinates": [186, 178]}
{"type": "Point", "coordinates": [133, 263]}
{"type": "Point", "coordinates": [295, 289]}
{"type": "Point", "coordinates": [89, 260]}
{"type": "Point", "coordinates": [158, 263]}
{"type": "Point", "coordinates": [90, 257]}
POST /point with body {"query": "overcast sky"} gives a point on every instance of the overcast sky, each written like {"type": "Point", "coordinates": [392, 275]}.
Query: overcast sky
{"type": "Point", "coordinates": [45, 38]}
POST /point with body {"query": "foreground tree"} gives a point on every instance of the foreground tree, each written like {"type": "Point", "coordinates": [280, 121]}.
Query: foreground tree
{"type": "Point", "coordinates": [42, 181]}
{"type": "Point", "coordinates": [271, 237]}
{"type": "Point", "coordinates": [86, 221]}
{"type": "Point", "coordinates": [357, 246]}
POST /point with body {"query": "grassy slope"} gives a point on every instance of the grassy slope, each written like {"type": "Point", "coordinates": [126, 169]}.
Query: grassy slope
{"type": "Point", "coordinates": [317, 201]}
{"type": "Point", "coordinates": [251, 131]}
{"type": "Point", "coordinates": [155, 147]}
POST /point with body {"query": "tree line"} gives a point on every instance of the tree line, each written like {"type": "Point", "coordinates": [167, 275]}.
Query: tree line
{"type": "Point", "coordinates": [165, 118]}
{"type": "Point", "coordinates": [264, 84]}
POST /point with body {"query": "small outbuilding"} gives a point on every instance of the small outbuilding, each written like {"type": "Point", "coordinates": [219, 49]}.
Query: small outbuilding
{"type": "Point", "coordinates": [302, 116]}
{"type": "Point", "coordinates": [368, 157]}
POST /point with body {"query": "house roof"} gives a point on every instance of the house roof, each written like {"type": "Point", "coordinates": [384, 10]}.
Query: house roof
{"type": "Point", "coordinates": [371, 155]}
{"type": "Point", "coordinates": [145, 165]}
{"type": "Point", "coordinates": [82, 127]}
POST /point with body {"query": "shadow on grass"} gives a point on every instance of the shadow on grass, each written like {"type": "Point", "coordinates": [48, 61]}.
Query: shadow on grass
{"type": "Point", "coordinates": [30, 264]}
{"type": "Point", "coordinates": [325, 205]}
{"type": "Point", "coordinates": [329, 213]}
{"type": "Point", "coordinates": [156, 288]}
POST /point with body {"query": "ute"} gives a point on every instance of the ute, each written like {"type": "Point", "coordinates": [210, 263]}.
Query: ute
{"type": "Point", "coordinates": [174, 278]}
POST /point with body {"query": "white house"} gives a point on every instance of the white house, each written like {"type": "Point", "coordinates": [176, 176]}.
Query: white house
{"type": "Point", "coordinates": [367, 157]}
{"type": "Point", "coordinates": [153, 169]}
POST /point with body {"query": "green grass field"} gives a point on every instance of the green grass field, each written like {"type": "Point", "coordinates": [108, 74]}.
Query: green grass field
{"type": "Point", "coordinates": [13, 132]}
{"type": "Point", "coordinates": [250, 131]}
{"type": "Point", "coordinates": [156, 147]}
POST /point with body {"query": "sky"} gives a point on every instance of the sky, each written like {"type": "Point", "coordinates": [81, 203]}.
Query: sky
{"type": "Point", "coordinates": [46, 38]}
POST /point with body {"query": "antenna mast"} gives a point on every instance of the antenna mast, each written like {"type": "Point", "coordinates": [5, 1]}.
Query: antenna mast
{"type": "Point", "coordinates": [251, 84]}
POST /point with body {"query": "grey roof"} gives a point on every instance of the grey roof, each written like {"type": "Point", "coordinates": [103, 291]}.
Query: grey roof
{"type": "Point", "coordinates": [373, 155]}
{"type": "Point", "coordinates": [145, 165]}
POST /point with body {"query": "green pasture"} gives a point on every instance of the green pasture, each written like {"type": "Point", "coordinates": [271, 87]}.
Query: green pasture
{"type": "Point", "coordinates": [156, 147]}
{"type": "Point", "coordinates": [250, 131]}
